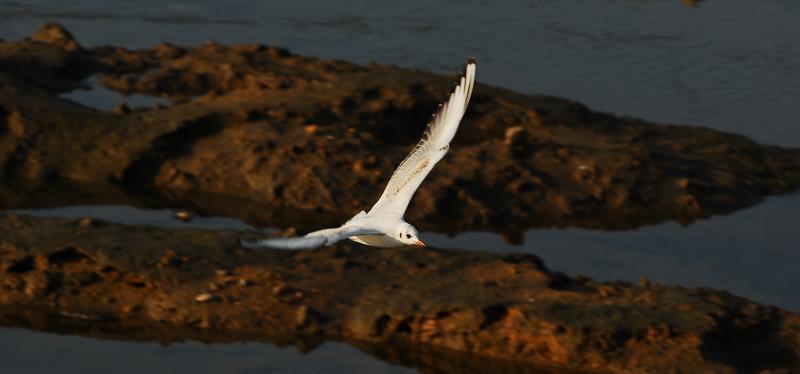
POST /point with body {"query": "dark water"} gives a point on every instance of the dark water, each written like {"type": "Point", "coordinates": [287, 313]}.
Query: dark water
{"type": "Point", "coordinates": [99, 97]}
{"type": "Point", "coordinates": [726, 64]}
{"type": "Point", "coordinates": [25, 352]}
{"type": "Point", "coordinates": [752, 253]}
{"type": "Point", "coordinates": [732, 65]}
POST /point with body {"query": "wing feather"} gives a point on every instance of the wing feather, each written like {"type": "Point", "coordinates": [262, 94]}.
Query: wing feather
{"type": "Point", "coordinates": [311, 240]}
{"type": "Point", "coordinates": [431, 148]}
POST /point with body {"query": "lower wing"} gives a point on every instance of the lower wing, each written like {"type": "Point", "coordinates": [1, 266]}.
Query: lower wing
{"type": "Point", "coordinates": [299, 242]}
{"type": "Point", "coordinates": [312, 240]}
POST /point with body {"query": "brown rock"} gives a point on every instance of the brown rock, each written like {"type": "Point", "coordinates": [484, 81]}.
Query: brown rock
{"type": "Point", "coordinates": [635, 173]}
{"type": "Point", "coordinates": [212, 154]}
{"type": "Point", "coordinates": [206, 298]}
{"type": "Point", "coordinates": [86, 222]}
{"type": "Point", "coordinates": [16, 124]}
{"type": "Point", "coordinates": [53, 33]}
{"type": "Point", "coordinates": [183, 215]}
{"type": "Point", "coordinates": [122, 109]}
{"type": "Point", "coordinates": [508, 307]}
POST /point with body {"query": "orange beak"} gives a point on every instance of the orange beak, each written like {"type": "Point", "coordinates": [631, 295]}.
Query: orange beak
{"type": "Point", "coordinates": [420, 243]}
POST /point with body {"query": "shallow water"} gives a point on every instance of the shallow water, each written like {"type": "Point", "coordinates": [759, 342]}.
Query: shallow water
{"type": "Point", "coordinates": [731, 65]}
{"type": "Point", "coordinates": [752, 253]}
{"type": "Point", "coordinates": [97, 96]}
{"type": "Point", "coordinates": [26, 352]}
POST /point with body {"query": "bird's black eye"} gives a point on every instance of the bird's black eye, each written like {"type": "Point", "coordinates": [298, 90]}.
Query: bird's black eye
{"type": "Point", "coordinates": [408, 236]}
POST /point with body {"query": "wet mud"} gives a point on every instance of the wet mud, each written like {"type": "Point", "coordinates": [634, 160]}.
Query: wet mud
{"type": "Point", "coordinates": [200, 284]}
{"type": "Point", "coordinates": [286, 132]}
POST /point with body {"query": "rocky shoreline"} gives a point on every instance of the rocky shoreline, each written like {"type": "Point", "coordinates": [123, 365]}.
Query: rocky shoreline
{"type": "Point", "coordinates": [289, 132]}
{"type": "Point", "coordinates": [264, 135]}
{"type": "Point", "coordinates": [508, 307]}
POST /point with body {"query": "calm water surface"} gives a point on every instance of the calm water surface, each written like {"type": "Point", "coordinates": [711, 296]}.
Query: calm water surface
{"type": "Point", "coordinates": [727, 64]}
{"type": "Point", "coordinates": [732, 65]}
{"type": "Point", "coordinates": [25, 352]}
{"type": "Point", "coordinates": [97, 96]}
{"type": "Point", "coordinates": [752, 253]}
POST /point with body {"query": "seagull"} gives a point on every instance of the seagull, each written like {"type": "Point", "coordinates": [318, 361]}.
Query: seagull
{"type": "Point", "coordinates": [384, 226]}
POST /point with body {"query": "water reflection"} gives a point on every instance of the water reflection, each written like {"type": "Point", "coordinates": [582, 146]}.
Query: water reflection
{"type": "Point", "coordinates": [132, 346]}
{"type": "Point", "coordinates": [136, 216]}
{"type": "Point", "coordinates": [25, 351]}
{"type": "Point", "coordinates": [750, 253]}
{"type": "Point", "coordinates": [97, 96]}
{"type": "Point", "coordinates": [729, 65]}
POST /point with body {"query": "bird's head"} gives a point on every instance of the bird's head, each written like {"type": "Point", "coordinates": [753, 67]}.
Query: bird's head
{"type": "Point", "coordinates": [408, 235]}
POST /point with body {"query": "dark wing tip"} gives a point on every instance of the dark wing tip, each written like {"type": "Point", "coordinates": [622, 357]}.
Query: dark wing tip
{"type": "Point", "coordinates": [470, 61]}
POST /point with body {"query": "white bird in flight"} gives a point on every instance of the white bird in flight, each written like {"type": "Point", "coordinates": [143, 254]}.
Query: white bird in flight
{"type": "Point", "coordinates": [383, 225]}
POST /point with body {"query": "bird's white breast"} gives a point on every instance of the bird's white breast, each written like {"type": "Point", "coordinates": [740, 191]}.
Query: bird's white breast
{"type": "Point", "coordinates": [378, 241]}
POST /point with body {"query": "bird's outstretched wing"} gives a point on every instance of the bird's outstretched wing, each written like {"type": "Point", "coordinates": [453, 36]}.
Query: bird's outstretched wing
{"type": "Point", "coordinates": [311, 240]}
{"type": "Point", "coordinates": [433, 146]}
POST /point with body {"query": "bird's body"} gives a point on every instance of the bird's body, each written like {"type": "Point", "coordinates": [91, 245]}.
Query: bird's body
{"type": "Point", "coordinates": [383, 225]}
{"type": "Point", "coordinates": [380, 240]}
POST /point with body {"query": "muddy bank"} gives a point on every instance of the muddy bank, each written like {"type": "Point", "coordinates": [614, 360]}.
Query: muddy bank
{"type": "Point", "coordinates": [131, 329]}
{"type": "Point", "coordinates": [285, 131]}
{"type": "Point", "coordinates": [506, 307]}
{"type": "Point", "coordinates": [423, 358]}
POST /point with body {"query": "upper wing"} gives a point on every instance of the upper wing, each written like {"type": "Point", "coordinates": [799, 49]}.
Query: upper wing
{"type": "Point", "coordinates": [433, 146]}
{"type": "Point", "coordinates": [311, 240]}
